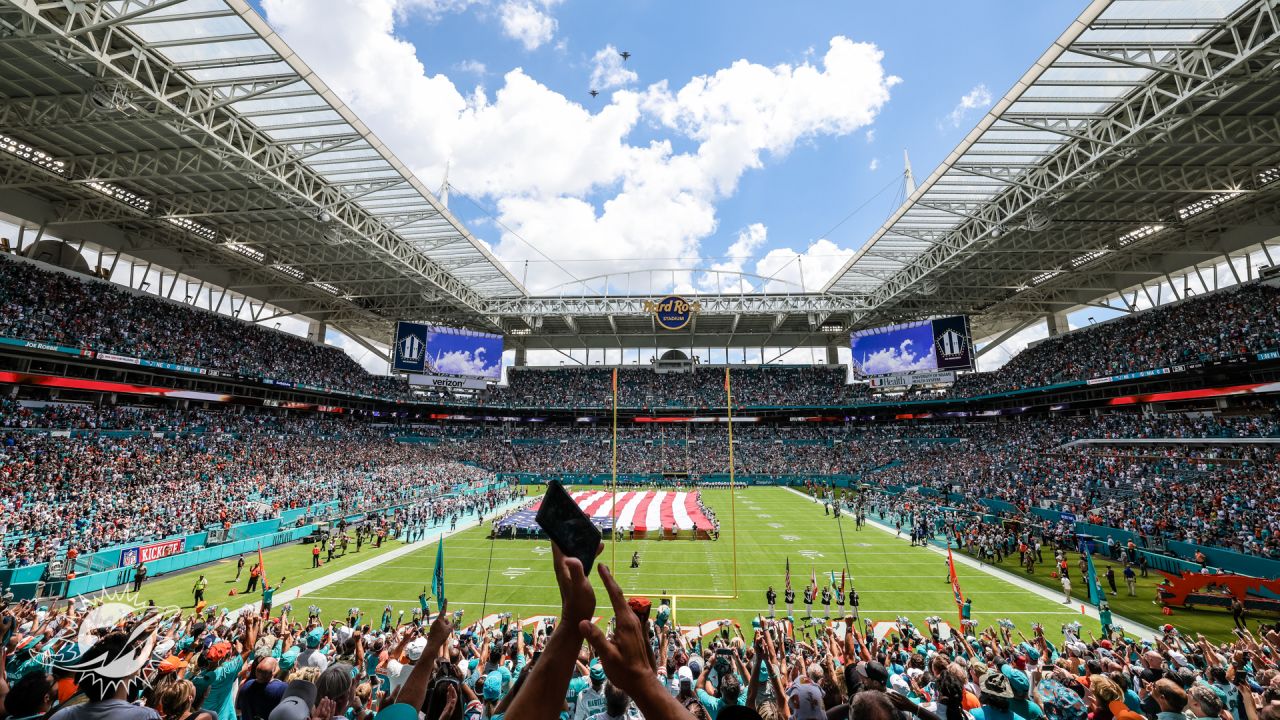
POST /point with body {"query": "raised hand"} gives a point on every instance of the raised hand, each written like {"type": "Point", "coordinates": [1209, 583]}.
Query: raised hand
{"type": "Point", "coordinates": [625, 656]}
{"type": "Point", "coordinates": [577, 598]}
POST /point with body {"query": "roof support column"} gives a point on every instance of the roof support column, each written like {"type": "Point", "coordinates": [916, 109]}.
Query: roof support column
{"type": "Point", "coordinates": [833, 355]}
{"type": "Point", "coordinates": [316, 331]}
{"type": "Point", "coordinates": [1057, 323]}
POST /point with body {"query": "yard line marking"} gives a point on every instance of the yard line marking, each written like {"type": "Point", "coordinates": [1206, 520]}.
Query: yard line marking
{"type": "Point", "coordinates": [1052, 595]}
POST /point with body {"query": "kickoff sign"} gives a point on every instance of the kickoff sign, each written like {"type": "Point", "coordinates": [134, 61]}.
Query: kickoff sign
{"type": "Point", "coordinates": [152, 552]}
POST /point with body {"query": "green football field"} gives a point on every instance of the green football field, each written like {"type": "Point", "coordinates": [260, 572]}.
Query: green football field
{"type": "Point", "coordinates": [892, 578]}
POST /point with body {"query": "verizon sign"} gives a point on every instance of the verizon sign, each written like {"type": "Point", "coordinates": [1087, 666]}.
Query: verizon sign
{"type": "Point", "coordinates": [448, 382]}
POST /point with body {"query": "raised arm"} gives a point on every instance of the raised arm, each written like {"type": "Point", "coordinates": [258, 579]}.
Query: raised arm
{"type": "Point", "coordinates": [626, 658]}
{"type": "Point", "coordinates": [543, 693]}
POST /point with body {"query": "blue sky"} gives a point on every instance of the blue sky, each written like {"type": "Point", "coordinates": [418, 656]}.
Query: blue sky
{"type": "Point", "coordinates": [736, 136]}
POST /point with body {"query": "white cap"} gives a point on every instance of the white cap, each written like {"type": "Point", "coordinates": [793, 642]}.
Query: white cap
{"type": "Point", "coordinates": [414, 651]}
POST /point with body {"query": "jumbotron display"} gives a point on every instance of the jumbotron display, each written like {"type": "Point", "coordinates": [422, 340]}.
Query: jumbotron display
{"type": "Point", "coordinates": [939, 344]}
{"type": "Point", "coordinates": [439, 350]}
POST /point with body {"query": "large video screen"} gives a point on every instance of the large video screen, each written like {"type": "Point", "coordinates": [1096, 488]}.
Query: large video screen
{"type": "Point", "coordinates": [941, 344]}
{"type": "Point", "coordinates": [439, 350]}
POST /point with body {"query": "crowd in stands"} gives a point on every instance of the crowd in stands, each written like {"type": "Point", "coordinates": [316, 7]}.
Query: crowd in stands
{"type": "Point", "coordinates": [638, 387]}
{"type": "Point", "coordinates": [1206, 494]}
{"type": "Point", "coordinates": [55, 307]}
{"type": "Point", "coordinates": [94, 490]}
{"type": "Point", "coordinates": [1229, 323]}
{"type": "Point", "coordinates": [279, 663]}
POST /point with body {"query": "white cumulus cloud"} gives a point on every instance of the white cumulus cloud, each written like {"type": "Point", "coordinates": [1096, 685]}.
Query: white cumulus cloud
{"type": "Point", "coordinates": [744, 247]}
{"type": "Point", "coordinates": [572, 180]}
{"type": "Point", "coordinates": [609, 70]}
{"type": "Point", "coordinates": [473, 67]}
{"type": "Point", "coordinates": [790, 270]}
{"type": "Point", "coordinates": [976, 99]}
{"type": "Point", "coordinates": [874, 164]}
{"type": "Point", "coordinates": [528, 21]}
{"type": "Point", "coordinates": [462, 362]}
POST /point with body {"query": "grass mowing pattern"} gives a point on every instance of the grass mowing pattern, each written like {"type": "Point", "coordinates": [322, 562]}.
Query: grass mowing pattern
{"type": "Point", "coordinates": [892, 578]}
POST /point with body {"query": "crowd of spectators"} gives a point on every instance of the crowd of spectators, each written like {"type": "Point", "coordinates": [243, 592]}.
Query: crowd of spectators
{"type": "Point", "coordinates": [579, 387]}
{"type": "Point", "coordinates": [92, 490]}
{"type": "Point", "coordinates": [1208, 494]}
{"type": "Point", "coordinates": [149, 663]}
{"type": "Point", "coordinates": [131, 472]}
{"type": "Point", "coordinates": [58, 308]}
{"type": "Point", "coordinates": [1233, 322]}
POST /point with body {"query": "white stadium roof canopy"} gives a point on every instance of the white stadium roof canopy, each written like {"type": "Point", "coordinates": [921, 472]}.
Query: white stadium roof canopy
{"type": "Point", "coordinates": [186, 133]}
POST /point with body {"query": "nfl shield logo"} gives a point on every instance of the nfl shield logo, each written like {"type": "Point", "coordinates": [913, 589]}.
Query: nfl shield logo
{"type": "Point", "coordinates": [951, 344]}
{"type": "Point", "coordinates": [411, 348]}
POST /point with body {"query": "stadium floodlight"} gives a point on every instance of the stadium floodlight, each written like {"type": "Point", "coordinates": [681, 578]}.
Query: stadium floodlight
{"type": "Point", "coordinates": [520, 331]}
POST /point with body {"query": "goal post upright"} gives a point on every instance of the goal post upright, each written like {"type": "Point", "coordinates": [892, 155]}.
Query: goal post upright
{"type": "Point", "coordinates": [733, 488]}
{"type": "Point", "coordinates": [613, 500]}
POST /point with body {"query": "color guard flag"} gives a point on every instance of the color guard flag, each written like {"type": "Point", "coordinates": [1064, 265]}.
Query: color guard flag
{"type": "Point", "coordinates": [1096, 594]}
{"type": "Point", "coordinates": [955, 586]}
{"type": "Point", "coordinates": [813, 579]}
{"type": "Point", "coordinates": [788, 586]}
{"type": "Point", "coordinates": [437, 579]}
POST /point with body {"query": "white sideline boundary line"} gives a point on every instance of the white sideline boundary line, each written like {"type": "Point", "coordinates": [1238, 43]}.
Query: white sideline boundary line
{"type": "Point", "coordinates": [1130, 626]}
{"type": "Point", "coordinates": [302, 591]}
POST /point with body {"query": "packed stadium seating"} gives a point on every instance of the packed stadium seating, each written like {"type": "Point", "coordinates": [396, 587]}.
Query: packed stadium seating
{"type": "Point", "coordinates": [56, 307]}
{"type": "Point", "coordinates": [95, 490]}
{"type": "Point", "coordinates": [1230, 323]}
{"type": "Point", "coordinates": [257, 463]}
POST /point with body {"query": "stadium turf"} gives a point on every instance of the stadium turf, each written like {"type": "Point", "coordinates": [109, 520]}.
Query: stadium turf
{"type": "Point", "coordinates": [892, 578]}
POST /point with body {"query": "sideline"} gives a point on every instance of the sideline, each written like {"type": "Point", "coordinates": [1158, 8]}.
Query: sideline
{"type": "Point", "coordinates": [1131, 626]}
{"type": "Point", "coordinates": [311, 586]}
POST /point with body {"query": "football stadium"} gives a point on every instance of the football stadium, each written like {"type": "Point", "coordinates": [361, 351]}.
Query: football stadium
{"type": "Point", "coordinates": [428, 359]}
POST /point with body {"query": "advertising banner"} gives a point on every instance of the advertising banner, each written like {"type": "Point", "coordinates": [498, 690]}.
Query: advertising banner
{"type": "Point", "coordinates": [448, 382]}
{"type": "Point", "coordinates": [151, 552]}
{"type": "Point", "coordinates": [944, 377]}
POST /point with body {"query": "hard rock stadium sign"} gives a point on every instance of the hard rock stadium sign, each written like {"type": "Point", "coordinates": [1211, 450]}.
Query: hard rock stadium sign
{"type": "Point", "coordinates": [672, 312]}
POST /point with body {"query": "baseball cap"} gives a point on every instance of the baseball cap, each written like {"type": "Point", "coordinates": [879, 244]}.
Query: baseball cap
{"type": "Point", "coordinates": [995, 683]}
{"type": "Point", "coordinates": [219, 651]}
{"type": "Point", "coordinates": [597, 671]}
{"type": "Point", "coordinates": [684, 674]}
{"type": "Point", "coordinates": [1018, 682]}
{"type": "Point", "coordinates": [296, 702]}
{"type": "Point", "coordinates": [172, 663]}
{"type": "Point", "coordinates": [899, 683]}
{"type": "Point", "coordinates": [415, 648]}
{"type": "Point", "coordinates": [873, 671]}
{"type": "Point", "coordinates": [314, 637]}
